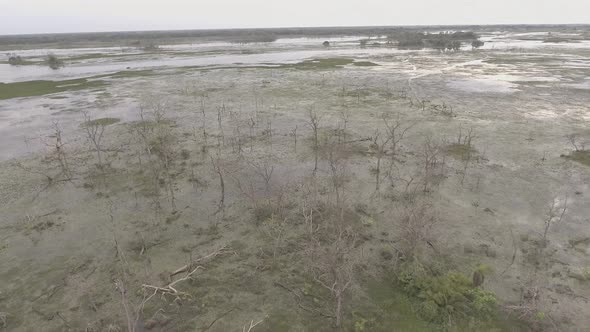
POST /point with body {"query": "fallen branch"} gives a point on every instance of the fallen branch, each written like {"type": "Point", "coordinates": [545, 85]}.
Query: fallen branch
{"type": "Point", "coordinates": [220, 251]}
{"type": "Point", "coordinates": [513, 253]}
{"type": "Point", "coordinates": [169, 289]}
{"type": "Point", "coordinates": [218, 318]}
{"type": "Point", "coordinates": [3, 316]}
{"type": "Point", "coordinates": [252, 325]}
{"type": "Point", "coordinates": [192, 267]}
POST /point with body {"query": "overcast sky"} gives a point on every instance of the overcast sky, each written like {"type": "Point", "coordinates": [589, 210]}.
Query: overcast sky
{"type": "Point", "coordinates": [46, 16]}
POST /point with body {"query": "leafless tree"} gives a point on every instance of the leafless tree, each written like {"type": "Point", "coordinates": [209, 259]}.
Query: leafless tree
{"type": "Point", "coordinates": [314, 123]}
{"type": "Point", "coordinates": [95, 133]}
{"type": "Point", "coordinates": [332, 267]}
{"type": "Point", "coordinates": [416, 222]}
{"type": "Point", "coordinates": [220, 112]}
{"type": "Point", "coordinates": [264, 170]}
{"type": "Point", "coordinates": [574, 141]}
{"type": "Point", "coordinates": [380, 147]}
{"type": "Point", "coordinates": [396, 131]}
{"type": "Point", "coordinates": [133, 314]}
{"type": "Point", "coordinates": [344, 115]}
{"type": "Point", "coordinates": [252, 126]}
{"type": "Point", "coordinates": [218, 168]}
{"type": "Point", "coordinates": [60, 152]}
{"type": "Point", "coordinates": [431, 163]}
{"type": "Point", "coordinates": [294, 134]}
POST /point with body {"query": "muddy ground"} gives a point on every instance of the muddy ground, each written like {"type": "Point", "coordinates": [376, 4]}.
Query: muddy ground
{"type": "Point", "coordinates": [80, 243]}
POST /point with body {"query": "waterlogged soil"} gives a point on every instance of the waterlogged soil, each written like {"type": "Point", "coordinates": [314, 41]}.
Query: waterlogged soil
{"type": "Point", "coordinates": [66, 244]}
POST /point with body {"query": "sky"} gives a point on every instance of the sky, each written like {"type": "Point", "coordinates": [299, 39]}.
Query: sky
{"type": "Point", "coordinates": [51, 16]}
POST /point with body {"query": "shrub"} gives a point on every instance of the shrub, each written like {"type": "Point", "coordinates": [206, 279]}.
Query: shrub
{"type": "Point", "coordinates": [448, 297]}
{"type": "Point", "coordinates": [15, 60]}
{"type": "Point", "coordinates": [477, 43]}
{"type": "Point", "coordinates": [54, 62]}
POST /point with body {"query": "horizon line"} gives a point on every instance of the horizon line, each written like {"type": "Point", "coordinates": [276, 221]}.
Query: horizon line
{"type": "Point", "coordinates": [303, 27]}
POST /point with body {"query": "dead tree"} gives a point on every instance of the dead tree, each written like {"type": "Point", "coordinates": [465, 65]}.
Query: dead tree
{"type": "Point", "coordinates": [416, 223]}
{"type": "Point", "coordinates": [264, 170]}
{"type": "Point", "coordinates": [396, 131]}
{"type": "Point", "coordinates": [94, 133]}
{"type": "Point", "coordinates": [314, 123]}
{"type": "Point", "coordinates": [344, 115]}
{"type": "Point", "coordinates": [573, 139]}
{"type": "Point", "coordinates": [215, 162]}
{"type": "Point", "coordinates": [294, 134]}
{"type": "Point", "coordinates": [380, 147]}
{"type": "Point", "coordinates": [430, 163]}
{"type": "Point", "coordinates": [332, 267]}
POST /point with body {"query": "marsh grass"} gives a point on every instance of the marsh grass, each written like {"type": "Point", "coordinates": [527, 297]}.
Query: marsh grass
{"type": "Point", "coordinates": [365, 64]}
{"type": "Point", "coordinates": [581, 156]}
{"type": "Point", "coordinates": [100, 122]}
{"type": "Point", "coordinates": [459, 151]}
{"type": "Point", "coordinates": [39, 88]}
{"type": "Point", "coordinates": [321, 64]}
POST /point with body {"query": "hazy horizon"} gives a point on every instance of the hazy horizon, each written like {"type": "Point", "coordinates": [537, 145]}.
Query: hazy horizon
{"type": "Point", "coordinates": [69, 16]}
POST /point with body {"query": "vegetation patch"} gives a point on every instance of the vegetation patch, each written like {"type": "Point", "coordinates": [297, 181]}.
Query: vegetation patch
{"type": "Point", "coordinates": [321, 64]}
{"type": "Point", "coordinates": [460, 151]}
{"type": "Point", "coordinates": [451, 299]}
{"type": "Point", "coordinates": [17, 60]}
{"type": "Point", "coordinates": [365, 64]}
{"type": "Point", "coordinates": [581, 156]}
{"type": "Point", "coordinates": [132, 73]}
{"type": "Point", "coordinates": [41, 87]}
{"type": "Point", "coordinates": [100, 122]}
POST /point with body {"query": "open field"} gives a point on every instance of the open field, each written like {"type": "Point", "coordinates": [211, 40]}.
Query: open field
{"type": "Point", "coordinates": [280, 184]}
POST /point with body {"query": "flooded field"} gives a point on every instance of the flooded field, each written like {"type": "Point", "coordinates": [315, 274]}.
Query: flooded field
{"type": "Point", "coordinates": [334, 180]}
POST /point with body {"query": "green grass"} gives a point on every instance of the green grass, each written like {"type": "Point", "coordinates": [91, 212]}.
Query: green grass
{"type": "Point", "coordinates": [581, 156]}
{"type": "Point", "coordinates": [320, 64]}
{"type": "Point", "coordinates": [25, 62]}
{"type": "Point", "coordinates": [101, 122]}
{"type": "Point", "coordinates": [132, 73]}
{"type": "Point", "coordinates": [460, 151]}
{"type": "Point", "coordinates": [365, 64]}
{"type": "Point", "coordinates": [40, 87]}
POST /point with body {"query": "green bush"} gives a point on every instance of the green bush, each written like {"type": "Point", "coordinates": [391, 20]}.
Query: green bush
{"type": "Point", "coordinates": [448, 297]}
{"type": "Point", "coordinates": [54, 62]}
{"type": "Point", "coordinates": [15, 60]}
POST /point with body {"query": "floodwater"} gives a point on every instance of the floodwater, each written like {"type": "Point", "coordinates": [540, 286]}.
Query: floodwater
{"type": "Point", "coordinates": [506, 61]}
{"type": "Point", "coordinates": [105, 60]}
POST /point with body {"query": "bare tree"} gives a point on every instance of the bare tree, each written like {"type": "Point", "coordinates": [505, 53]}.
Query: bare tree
{"type": "Point", "coordinates": [379, 146]}
{"type": "Point", "coordinates": [416, 223]}
{"type": "Point", "coordinates": [294, 134]}
{"type": "Point", "coordinates": [574, 141]}
{"type": "Point", "coordinates": [95, 133]}
{"type": "Point", "coordinates": [215, 162]}
{"type": "Point", "coordinates": [396, 131]}
{"type": "Point", "coordinates": [60, 152]}
{"type": "Point", "coordinates": [344, 115]}
{"type": "Point", "coordinates": [264, 170]}
{"type": "Point", "coordinates": [133, 314]}
{"type": "Point", "coordinates": [314, 123]}
{"type": "Point", "coordinates": [332, 267]}
{"type": "Point", "coordinates": [430, 163]}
